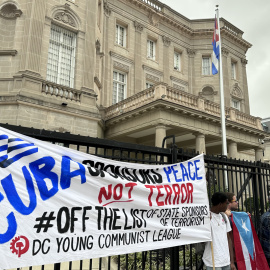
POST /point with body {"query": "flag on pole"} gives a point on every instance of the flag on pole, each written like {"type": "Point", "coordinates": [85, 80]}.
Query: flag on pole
{"type": "Point", "coordinates": [248, 250]}
{"type": "Point", "coordinates": [215, 54]}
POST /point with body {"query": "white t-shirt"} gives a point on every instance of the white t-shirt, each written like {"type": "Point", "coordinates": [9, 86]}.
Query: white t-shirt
{"type": "Point", "coordinates": [219, 230]}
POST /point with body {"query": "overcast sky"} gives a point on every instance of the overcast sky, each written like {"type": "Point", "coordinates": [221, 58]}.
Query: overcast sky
{"type": "Point", "coordinates": [253, 18]}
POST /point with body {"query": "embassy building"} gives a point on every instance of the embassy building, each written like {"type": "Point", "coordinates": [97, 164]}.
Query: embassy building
{"type": "Point", "coordinates": [128, 70]}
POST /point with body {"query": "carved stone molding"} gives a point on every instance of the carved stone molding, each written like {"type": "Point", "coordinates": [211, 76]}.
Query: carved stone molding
{"type": "Point", "coordinates": [225, 52]}
{"type": "Point", "coordinates": [8, 52]}
{"type": "Point", "coordinates": [153, 71]}
{"type": "Point", "coordinates": [98, 83]}
{"type": "Point", "coordinates": [177, 86]}
{"type": "Point", "coordinates": [138, 27]}
{"type": "Point", "coordinates": [191, 52]}
{"type": "Point", "coordinates": [107, 9]}
{"type": "Point", "coordinates": [207, 91]}
{"type": "Point", "coordinates": [121, 66]}
{"type": "Point", "coordinates": [166, 41]}
{"type": "Point", "coordinates": [152, 78]}
{"type": "Point", "coordinates": [65, 18]}
{"type": "Point", "coordinates": [244, 61]}
{"type": "Point", "coordinates": [153, 18]}
{"type": "Point", "coordinates": [10, 11]}
{"type": "Point", "coordinates": [98, 52]}
{"type": "Point", "coordinates": [237, 92]}
{"type": "Point", "coordinates": [185, 83]}
{"type": "Point", "coordinates": [121, 58]}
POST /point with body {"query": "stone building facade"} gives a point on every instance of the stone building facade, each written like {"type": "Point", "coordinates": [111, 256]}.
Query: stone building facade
{"type": "Point", "coordinates": [128, 70]}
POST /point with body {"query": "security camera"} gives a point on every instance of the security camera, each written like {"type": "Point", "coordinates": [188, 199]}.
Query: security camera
{"type": "Point", "coordinates": [262, 141]}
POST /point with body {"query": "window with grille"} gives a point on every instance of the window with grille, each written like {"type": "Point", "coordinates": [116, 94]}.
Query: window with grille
{"type": "Point", "coordinates": [120, 37]}
{"type": "Point", "coordinates": [206, 66]}
{"type": "Point", "coordinates": [233, 66]}
{"type": "Point", "coordinates": [119, 86]}
{"type": "Point", "coordinates": [177, 63]}
{"type": "Point", "coordinates": [151, 49]}
{"type": "Point", "coordinates": [235, 104]}
{"type": "Point", "coordinates": [61, 56]}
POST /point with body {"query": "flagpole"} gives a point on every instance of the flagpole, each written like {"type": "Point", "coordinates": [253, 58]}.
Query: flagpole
{"type": "Point", "coordinates": [222, 106]}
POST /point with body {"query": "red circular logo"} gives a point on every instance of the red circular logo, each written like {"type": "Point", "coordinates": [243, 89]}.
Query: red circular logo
{"type": "Point", "coordinates": [19, 245]}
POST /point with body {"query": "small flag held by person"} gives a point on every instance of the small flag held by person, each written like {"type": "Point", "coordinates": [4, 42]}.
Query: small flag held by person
{"type": "Point", "coordinates": [248, 250]}
{"type": "Point", "coordinates": [216, 44]}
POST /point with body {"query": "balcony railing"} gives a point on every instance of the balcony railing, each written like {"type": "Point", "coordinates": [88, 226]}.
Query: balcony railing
{"type": "Point", "coordinates": [186, 100]}
{"type": "Point", "coordinates": [61, 91]}
{"type": "Point", "coordinates": [154, 4]}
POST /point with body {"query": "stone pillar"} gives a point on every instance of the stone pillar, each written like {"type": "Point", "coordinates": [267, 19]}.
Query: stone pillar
{"type": "Point", "coordinates": [89, 62]}
{"type": "Point", "coordinates": [245, 86]}
{"type": "Point", "coordinates": [35, 13]}
{"type": "Point", "coordinates": [166, 59]}
{"type": "Point", "coordinates": [200, 143]}
{"type": "Point", "coordinates": [106, 98]}
{"type": "Point", "coordinates": [226, 78]}
{"type": "Point", "coordinates": [232, 146]}
{"type": "Point", "coordinates": [160, 135]}
{"type": "Point", "coordinates": [138, 59]}
{"type": "Point", "coordinates": [191, 71]}
{"type": "Point", "coordinates": [259, 153]}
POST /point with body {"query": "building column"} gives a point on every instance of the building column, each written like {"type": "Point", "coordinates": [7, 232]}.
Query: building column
{"type": "Point", "coordinates": [200, 143]}
{"type": "Point", "coordinates": [245, 86]}
{"type": "Point", "coordinates": [226, 77]}
{"type": "Point", "coordinates": [89, 62]}
{"type": "Point", "coordinates": [160, 135]}
{"type": "Point", "coordinates": [191, 71]}
{"type": "Point", "coordinates": [259, 153]}
{"type": "Point", "coordinates": [30, 58]}
{"type": "Point", "coordinates": [166, 59]}
{"type": "Point", "coordinates": [232, 147]}
{"type": "Point", "coordinates": [138, 59]}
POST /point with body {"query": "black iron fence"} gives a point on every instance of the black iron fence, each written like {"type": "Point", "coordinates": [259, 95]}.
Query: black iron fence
{"type": "Point", "coordinates": [248, 180]}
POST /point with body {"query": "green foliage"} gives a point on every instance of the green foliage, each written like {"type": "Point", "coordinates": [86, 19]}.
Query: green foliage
{"type": "Point", "coordinates": [250, 205]}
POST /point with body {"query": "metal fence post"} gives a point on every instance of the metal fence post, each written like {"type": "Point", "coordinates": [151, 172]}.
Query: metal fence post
{"type": "Point", "coordinates": [174, 251]}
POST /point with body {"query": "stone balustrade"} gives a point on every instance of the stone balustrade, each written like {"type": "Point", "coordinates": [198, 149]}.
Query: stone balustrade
{"type": "Point", "coordinates": [131, 103]}
{"type": "Point", "coordinates": [231, 28]}
{"type": "Point", "coordinates": [154, 4]}
{"type": "Point", "coordinates": [61, 91]}
{"type": "Point", "coordinates": [164, 92]}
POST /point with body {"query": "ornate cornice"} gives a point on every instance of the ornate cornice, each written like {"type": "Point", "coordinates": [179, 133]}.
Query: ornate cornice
{"type": "Point", "coordinates": [152, 70]}
{"type": "Point", "coordinates": [121, 66]}
{"type": "Point", "coordinates": [121, 57]}
{"type": "Point", "coordinates": [177, 86]}
{"type": "Point", "coordinates": [138, 27]}
{"type": "Point", "coordinates": [152, 78]}
{"type": "Point", "coordinates": [179, 80]}
{"type": "Point", "coordinates": [166, 41]}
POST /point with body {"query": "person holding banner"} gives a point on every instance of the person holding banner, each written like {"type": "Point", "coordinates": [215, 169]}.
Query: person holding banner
{"type": "Point", "coordinates": [265, 234]}
{"type": "Point", "coordinates": [218, 254]}
{"type": "Point", "coordinates": [232, 206]}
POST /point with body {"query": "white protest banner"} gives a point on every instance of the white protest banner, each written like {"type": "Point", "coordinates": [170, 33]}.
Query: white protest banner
{"type": "Point", "coordinates": [58, 204]}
